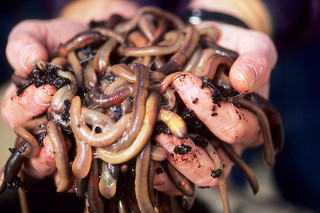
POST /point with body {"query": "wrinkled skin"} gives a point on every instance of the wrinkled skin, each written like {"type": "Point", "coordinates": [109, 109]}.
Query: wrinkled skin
{"type": "Point", "coordinates": [34, 39]}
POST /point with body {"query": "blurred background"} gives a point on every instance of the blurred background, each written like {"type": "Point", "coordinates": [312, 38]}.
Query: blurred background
{"type": "Point", "coordinates": [291, 186]}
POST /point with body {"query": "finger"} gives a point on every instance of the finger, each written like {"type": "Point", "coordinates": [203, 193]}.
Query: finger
{"type": "Point", "coordinates": [228, 123]}
{"type": "Point", "coordinates": [16, 110]}
{"type": "Point", "coordinates": [195, 165]}
{"type": "Point", "coordinates": [257, 56]}
{"type": "Point", "coordinates": [34, 39]}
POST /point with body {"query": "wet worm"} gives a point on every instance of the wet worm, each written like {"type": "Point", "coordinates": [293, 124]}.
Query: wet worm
{"type": "Point", "coordinates": [77, 68]}
{"type": "Point", "coordinates": [178, 179]}
{"type": "Point", "coordinates": [179, 58]}
{"type": "Point", "coordinates": [246, 170]}
{"type": "Point", "coordinates": [269, 152]}
{"type": "Point", "coordinates": [101, 60]}
{"type": "Point", "coordinates": [82, 131]}
{"type": "Point", "coordinates": [82, 162]}
{"type": "Point", "coordinates": [81, 186]}
{"type": "Point", "coordinates": [14, 163]}
{"type": "Point", "coordinates": [210, 34]}
{"type": "Point", "coordinates": [141, 180]}
{"type": "Point", "coordinates": [274, 118]}
{"type": "Point", "coordinates": [169, 99]}
{"type": "Point", "coordinates": [171, 44]}
{"type": "Point", "coordinates": [205, 56]}
{"type": "Point", "coordinates": [139, 108]}
{"type": "Point", "coordinates": [33, 148]}
{"type": "Point", "coordinates": [158, 153]}
{"type": "Point", "coordinates": [114, 99]}
{"type": "Point", "coordinates": [152, 110]}
{"type": "Point", "coordinates": [137, 39]}
{"type": "Point", "coordinates": [174, 122]}
{"type": "Point", "coordinates": [61, 157]}
{"type": "Point", "coordinates": [191, 64]}
{"type": "Point", "coordinates": [94, 198]}
{"type": "Point", "coordinates": [107, 183]}
{"type": "Point", "coordinates": [90, 76]}
{"type": "Point", "coordinates": [220, 50]}
{"type": "Point", "coordinates": [116, 85]}
{"type": "Point", "coordinates": [107, 32]}
{"type": "Point", "coordinates": [80, 40]}
{"type": "Point", "coordinates": [97, 119]}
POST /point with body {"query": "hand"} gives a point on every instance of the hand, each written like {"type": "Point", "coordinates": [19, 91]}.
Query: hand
{"type": "Point", "coordinates": [250, 72]}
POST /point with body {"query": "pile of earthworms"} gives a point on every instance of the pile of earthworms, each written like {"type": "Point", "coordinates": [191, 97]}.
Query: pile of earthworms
{"type": "Point", "coordinates": [115, 93]}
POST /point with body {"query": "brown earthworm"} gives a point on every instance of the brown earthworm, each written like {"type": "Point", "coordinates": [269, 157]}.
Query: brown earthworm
{"type": "Point", "coordinates": [105, 101]}
{"type": "Point", "coordinates": [274, 118]}
{"type": "Point", "coordinates": [220, 50]}
{"type": "Point", "coordinates": [214, 63]}
{"type": "Point", "coordinates": [137, 39]}
{"type": "Point", "coordinates": [94, 198]}
{"type": "Point", "coordinates": [146, 26]}
{"type": "Point", "coordinates": [109, 33]}
{"type": "Point", "coordinates": [265, 128]}
{"type": "Point", "coordinates": [97, 119]}
{"type": "Point", "coordinates": [107, 183]}
{"type": "Point", "coordinates": [169, 99]}
{"type": "Point", "coordinates": [179, 180]}
{"type": "Point", "coordinates": [59, 61]}
{"type": "Point", "coordinates": [246, 170]}
{"type": "Point", "coordinates": [158, 153]}
{"type": "Point", "coordinates": [116, 85]}
{"type": "Point", "coordinates": [172, 18]}
{"type": "Point", "coordinates": [190, 65]}
{"type": "Point", "coordinates": [77, 68]}
{"type": "Point", "coordinates": [126, 106]}
{"type": "Point", "coordinates": [34, 123]}
{"type": "Point", "coordinates": [123, 71]}
{"type": "Point", "coordinates": [179, 58]}
{"type": "Point", "coordinates": [171, 44]}
{"type": "Point", "coordinates": [222, 79]}
{"type": "Point", "coordinates": [61, 157]}
{"type": "Point", "coordinates": [80, 40]}
{"type": "Point", "coordinates": [210, 34]}
{"type": "Point", "coordinates": [141, 180]}
{"type": "Point", "coordinates": [166, 81]}
{"type": "Point", "coordinates": [122, 207]}
{"type": "Point", "coordinates": [82, 162]}
{"type": "Point", "coordinates": [139, 108]}
{"type": "Point", "coordinates": [90, 76]}
{"type": "Point", "coordinates": [174, 122]}
{"type": "Point", "coordinates": [152, 109]}
{"type": "Point", "coordinates": [14, 163]}
{"type": "Point", "coordinates": [81, 187]}
{"type": "Point", "coordinates": [33, 148]}
{"type": "Point", "coordinates": [67, 92]}
{"type": "Point", "coordinates": [204, 57]}
{"type": "Point", "coordinates": [82, 131]}
{"type": "Point", "coordinates": [101, 60]}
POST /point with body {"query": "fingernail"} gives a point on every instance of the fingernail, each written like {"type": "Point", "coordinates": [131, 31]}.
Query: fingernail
{"type": "Point", "coordinates": [27, 55]}
{"type": "Point", "coordinates": [246, 77]}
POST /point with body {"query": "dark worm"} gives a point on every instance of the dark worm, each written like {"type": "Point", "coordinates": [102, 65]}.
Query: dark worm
{"type": "Point", "coordinates": [14, 163]}
{"type": "Point", "coordinates": [94, 199]}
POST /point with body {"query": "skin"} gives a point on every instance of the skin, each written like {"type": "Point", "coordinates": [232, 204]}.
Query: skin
{"type": "Point", "coordinates": [33, 39]}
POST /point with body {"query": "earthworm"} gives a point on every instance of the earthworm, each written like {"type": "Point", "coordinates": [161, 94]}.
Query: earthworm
{"type": "Point", "coordinates": [179, 58]}
{"type": "Point", "coordinates": [61, 157]}
{"type": "Point", "coordinates": [82, 162]}
{"type": "Point", "coordinates": [126, 106]}
{"type": "Point", "coordinates": [34, 123]}
{"type": "Point", "coordinates": [204, 57]}
{"type": "Point", "coordinates": [116, 85]}
{"type": "Point", "coordinates": [168, 80]}
{"type": "Point", "coordinates": [213, 64]}
{"type": "Point", "coordinates": [123, 71]}
{"type": "Point", "coordinates": [122, 207]}
{"type": "Point", "coordinates": [97, 119]}
{"type": "Point", "coordinates": [274, 118]}
{"type": "Point", "coordinates": [19, 81]}
{"type": "Point", "coordinates": [59, 61]}
{"type": "Point", "coordinates": [139, 108]}
{"type": "Point", "coordinates": [67, 92]}
{"type": "Point", "coordinates": [190, 65]}
{"type": "Point", "coordinates": [169, 98]}
{"type": "Point", "coordinates": [101, 60]}
{"type": "Point", "coordinates": [81, 186]}
{"type": "Point", "coordinates": [80, 40]}
{"type": "Point", "coordinates": [33, 148]}
{"type": "Point", "coordinates": [82, 131]}
{"type": "Point", "coordinates": [114, 170]}
{"type": "Point", "coordinates": [146, 26]}
{"type": "Point", "coordinates": [174, 122]}
{"type": "Point", "coordinates": [77, 68]}
{"type": "Point", "coordinates": [265, 128]}
{"type": "Point", "coordinates": [158, 153]}
{"type": "Point", "coordinates": [220, 50]}
{"type": "Point", "coordinates": [107, 183]}
{"type": "Point", "coordinates": [107, 32]}
{"type": "Point", "coordinates": [210, 34]}
{"type": "Point", "coordinates": [221, 79]}
{"type": "Point", "coordinates": [137, 39]}
{"type": "Point", "coordinates": [246, 170]}
{"type": "Point", "coordinates": [173, 19]}
{"type": "Point", "coordinates": [94, 199]}
{"type": "Point", "coordinates": [14, 163]}
{"type": "Point", "coordinates": [113, 99]}
{"type": "Point", "coordinates": [141, 180]}
{"type": "Point", "coordinates": [171, 44]}
{"type": "Point", "coordinates": [179, 180]}
{"type": "Point", "coordinates": [113, 20]}
{"type": "Point", "coordinates": [152, 110]}
{"type": "Point", "coordinates": [90, 76]}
